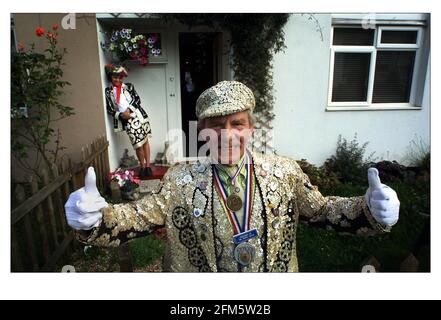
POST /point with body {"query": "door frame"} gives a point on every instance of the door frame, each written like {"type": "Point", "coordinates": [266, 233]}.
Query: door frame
{"type": "Point", "coordinates": [223, 63]}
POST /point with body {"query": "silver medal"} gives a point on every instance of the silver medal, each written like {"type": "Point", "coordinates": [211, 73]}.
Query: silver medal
{"type": "Point", "coordinates": [244, 253]}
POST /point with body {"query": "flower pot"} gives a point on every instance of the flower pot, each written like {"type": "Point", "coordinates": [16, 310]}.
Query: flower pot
{"type": "Point", "coordinates": [116, 192]}
{"type": "Point", "coordinates": [130, 195]}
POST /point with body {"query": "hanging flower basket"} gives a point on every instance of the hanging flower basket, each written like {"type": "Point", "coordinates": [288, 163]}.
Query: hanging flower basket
{"type": "Point", "coordinates": [125, 45]}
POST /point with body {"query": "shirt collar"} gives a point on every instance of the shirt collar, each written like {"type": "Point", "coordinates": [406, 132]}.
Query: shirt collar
{"type": "Point", "coordinates": [231, 169]}
{"type": "Point", "coordinates": [122, 86]}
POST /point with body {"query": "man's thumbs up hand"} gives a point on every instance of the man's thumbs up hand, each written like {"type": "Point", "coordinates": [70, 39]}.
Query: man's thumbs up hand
{"type": "Point", "coordinates": [90, 182]}
{"type": "Point", "coordinates": [381, 200]}
{"type": "Point", "coordinates": [84, 205]}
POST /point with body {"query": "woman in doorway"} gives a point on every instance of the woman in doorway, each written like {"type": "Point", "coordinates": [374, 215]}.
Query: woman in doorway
{"type": "Point", "coordinates": [124, 104]}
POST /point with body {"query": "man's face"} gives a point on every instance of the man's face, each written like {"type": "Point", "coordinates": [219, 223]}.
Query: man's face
{"type": "Point", "coordinates": [233, 132]}
{"type": "Point", "coordinates": [116, 80]}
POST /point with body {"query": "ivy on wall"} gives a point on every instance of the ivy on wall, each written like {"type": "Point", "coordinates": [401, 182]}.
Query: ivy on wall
{"type": "Point", "coordinates": [255, 38]}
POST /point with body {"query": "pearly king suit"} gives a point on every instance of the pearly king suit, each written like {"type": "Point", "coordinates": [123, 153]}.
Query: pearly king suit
{"type": "Point", "coordinates": [129, 92]}
{"type": "Point", "coordinates": [283, 195]}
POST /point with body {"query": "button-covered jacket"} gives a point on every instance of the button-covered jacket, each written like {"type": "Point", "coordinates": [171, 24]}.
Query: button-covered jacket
{"type": "Point", "coordinates": [283, 196]}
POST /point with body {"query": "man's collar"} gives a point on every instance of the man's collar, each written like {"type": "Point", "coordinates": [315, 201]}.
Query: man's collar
{"type": "Point", "coordinates": [231, 169]}
{"type": "Point", "coordinates": [123, 85]}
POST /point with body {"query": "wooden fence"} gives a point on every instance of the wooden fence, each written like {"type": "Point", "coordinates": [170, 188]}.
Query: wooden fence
{"type": "Point", "coordinates": [40, 235]}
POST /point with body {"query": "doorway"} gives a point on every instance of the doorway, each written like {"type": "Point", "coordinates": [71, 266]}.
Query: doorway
{"type": "Point", "coordinates": [199, 70]}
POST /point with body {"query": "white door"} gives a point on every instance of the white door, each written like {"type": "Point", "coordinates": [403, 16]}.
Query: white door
{"type": "Point", "coordinates": [158, 87]}
{"type": "Point", "coordinates": [149, 82]}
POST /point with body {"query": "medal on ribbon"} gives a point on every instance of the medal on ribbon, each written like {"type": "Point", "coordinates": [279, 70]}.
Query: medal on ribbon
{"type": "Point", "coordinates": [244, 252]}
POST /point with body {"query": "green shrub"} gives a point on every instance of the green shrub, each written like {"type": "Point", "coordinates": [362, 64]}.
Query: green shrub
{"type": "Point", "coordinates": [317, 176]}
{"type": "Point", "coordinates": [424, 163]}
{"type": "Point", "coordinates": [348, 163]}
{"type": "Point", "coordinates": [418, 154]}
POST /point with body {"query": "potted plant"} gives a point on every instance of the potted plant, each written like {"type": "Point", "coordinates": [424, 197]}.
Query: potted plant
{"type": "Point", "coordinates": [125, 184]}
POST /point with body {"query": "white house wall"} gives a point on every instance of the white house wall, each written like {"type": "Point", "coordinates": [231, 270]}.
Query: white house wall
{"type": "Point", "coordinates": [302, 126]}
{"type": "Point", "coordinates": [114, 139]}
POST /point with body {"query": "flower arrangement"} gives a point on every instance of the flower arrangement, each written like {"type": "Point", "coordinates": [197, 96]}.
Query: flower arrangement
{"type": "Point", "coordinates": [125, 180]}
{"type": "Point", "coordinates": [128, 46]}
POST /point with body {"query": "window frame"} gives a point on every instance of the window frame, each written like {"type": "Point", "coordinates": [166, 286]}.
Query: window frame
{"type": "Point", "coordinates": [372, 49]}
{"type": "Point", "coordinates": [398, 45]}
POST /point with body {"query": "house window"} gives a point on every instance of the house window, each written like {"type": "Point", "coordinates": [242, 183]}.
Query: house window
{"type": "Point", "coordinates": [373, 67]}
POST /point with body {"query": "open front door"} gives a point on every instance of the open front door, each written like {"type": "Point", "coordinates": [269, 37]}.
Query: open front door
{"type": "Point", "coordinates": [199, 69]}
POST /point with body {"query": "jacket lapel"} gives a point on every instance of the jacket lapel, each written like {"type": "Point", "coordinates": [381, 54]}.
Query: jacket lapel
{"type": "Point", "coordinates": [127, 93]}
{"type": "Point", "coordinates": [201, 209]}
{"type": "Point", "coordinates": [273, 198]}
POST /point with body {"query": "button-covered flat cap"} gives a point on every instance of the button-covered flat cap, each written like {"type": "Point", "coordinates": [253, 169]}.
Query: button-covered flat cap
{"type": "Point", "coordinates": [224, 98]}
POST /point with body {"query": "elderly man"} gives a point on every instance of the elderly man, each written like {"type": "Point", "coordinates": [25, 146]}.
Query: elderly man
{"type": "Point", "coordinates": [236, 211]}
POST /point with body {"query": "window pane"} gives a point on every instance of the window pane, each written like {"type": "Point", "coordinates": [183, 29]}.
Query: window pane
{"type": "Point", "coordinates": [393, 76]}
{"type": "Point", "coordinates": [351, 75]}
{"type": "Point", "coordinates": [399, 36]}
{"type": "Point", "coordinates": [353, 37]}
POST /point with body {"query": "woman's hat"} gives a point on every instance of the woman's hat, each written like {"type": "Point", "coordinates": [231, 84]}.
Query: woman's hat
{"type": "Point", "coordinates": [115, 70]}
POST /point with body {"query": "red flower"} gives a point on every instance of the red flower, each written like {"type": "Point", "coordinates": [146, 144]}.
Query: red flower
{"type": "Point", "coordinates": [55, 27]}
{"type": "Point", "coordinates": [20, 46]}
{"type": "Point", "coordinates": [39, 32]}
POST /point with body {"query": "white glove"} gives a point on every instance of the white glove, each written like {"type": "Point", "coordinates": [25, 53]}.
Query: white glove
{"type": "Point", "coordinates": [381, 200]}
{"type": "Point", "coordinates": [84, 205]}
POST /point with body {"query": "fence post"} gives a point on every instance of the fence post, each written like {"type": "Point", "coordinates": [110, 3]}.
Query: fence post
{"type": "Point", "coordinates": [29, 234]}
{"type": "Point", "coordinates": [50, 209]}
{"type": "Point", "coordinates": [65, 177]}
{"type": "Point", "coordinates": [17, 264]}
{"type": "Point", "coordinates": [59, 201]}
{"type": "Point", "coordinates": [40, 219]}
{"type": "Point", "coordinates": [73, 181]}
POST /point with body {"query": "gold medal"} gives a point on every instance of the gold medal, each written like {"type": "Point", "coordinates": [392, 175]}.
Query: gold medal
{"type": "Point", "coordinates": [234, 202]}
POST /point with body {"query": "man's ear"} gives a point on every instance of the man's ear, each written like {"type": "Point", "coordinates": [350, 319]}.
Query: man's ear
{"type": "Point", "coordinates": [201, 125]}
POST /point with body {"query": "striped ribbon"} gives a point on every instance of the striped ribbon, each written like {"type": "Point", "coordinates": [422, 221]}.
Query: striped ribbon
{"type": "Point", "coordinates": [234, 221]}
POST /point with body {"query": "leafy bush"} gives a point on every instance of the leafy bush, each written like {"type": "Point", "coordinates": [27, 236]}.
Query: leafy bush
{"type": "Point", "coordinates": [424, 163]}
{"type": "Point", "coordinates": [418, 154]}
{"type": "Point", "coordinates": [348, 163]}
{"type": "Point", "coordinates": [37, 86]}
{"type": "Point", "coordinates": [317, 176]}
